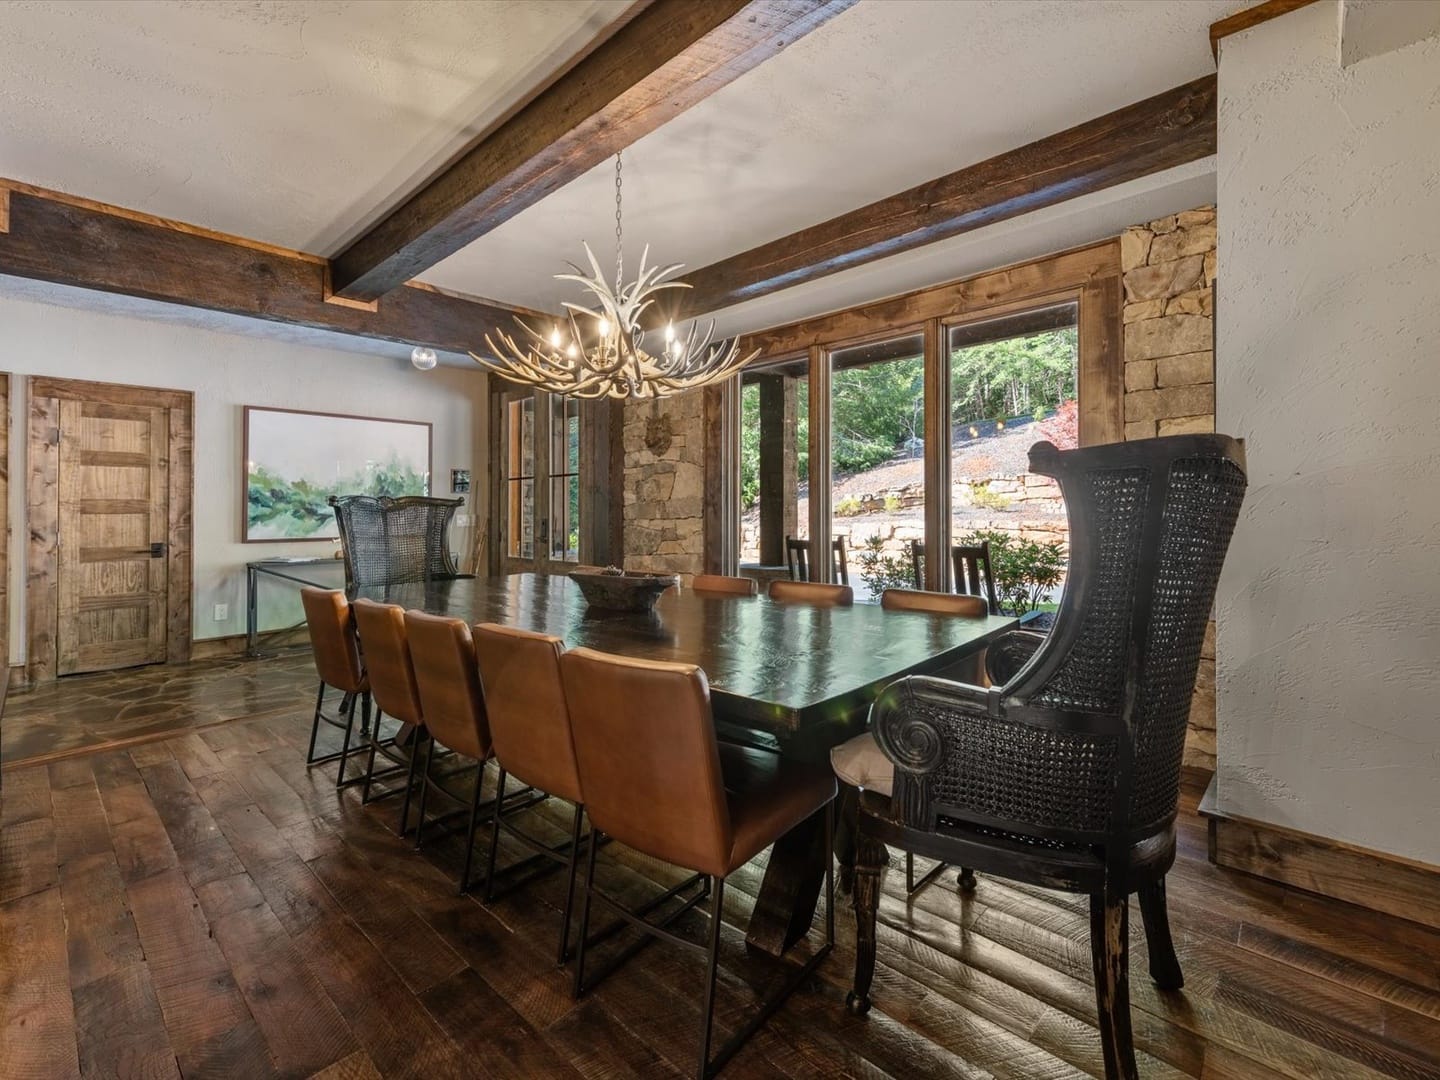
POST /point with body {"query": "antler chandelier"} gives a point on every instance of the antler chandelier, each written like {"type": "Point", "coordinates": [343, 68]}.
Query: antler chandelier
{"type": "Point", "coordinates": [602, 352]}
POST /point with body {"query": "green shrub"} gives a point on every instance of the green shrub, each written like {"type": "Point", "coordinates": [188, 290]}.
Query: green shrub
{"type": "Point", "coordinates": [881, 571]}
{"type": "Point", "coordinates": [893, 504]}
{"type": "Point", "coordinates": [989, 500]}
{"type": "Point", "coordinates": [1025, 570]}
{"type": "Point", "coordinates": [849, 506]}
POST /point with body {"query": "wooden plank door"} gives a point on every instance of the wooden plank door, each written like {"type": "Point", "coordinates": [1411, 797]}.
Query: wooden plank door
{"type": "Point", "coordinates": [113, 524]}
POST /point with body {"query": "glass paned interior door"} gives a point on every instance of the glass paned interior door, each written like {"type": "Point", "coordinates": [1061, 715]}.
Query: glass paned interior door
{"type": "Point", "coordinates": [1013, 383]}
{"type": "Point", "coordinates": [541, 497]}
{"type": "Point", "coordinates": [877, 447]}
{"type": "Point", "coordinates": [520, 476]}
{"type": "Point", "coordinates": [564, 470]}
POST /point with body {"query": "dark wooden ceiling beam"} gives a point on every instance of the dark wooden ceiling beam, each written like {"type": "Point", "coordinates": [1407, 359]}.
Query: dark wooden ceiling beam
{"type": "Point", "coordinates": [1250, 16]}
{"type": "Point", "coordinates": [669, 57]}
{"type": "Point", "coordinates": [1149, 136]}
{"type": "Point", "coordinates": [72, 241]}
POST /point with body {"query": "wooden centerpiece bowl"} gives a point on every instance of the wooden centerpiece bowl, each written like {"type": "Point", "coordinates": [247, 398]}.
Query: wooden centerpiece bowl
{"type": "Point", "coordinates": [612, 589]}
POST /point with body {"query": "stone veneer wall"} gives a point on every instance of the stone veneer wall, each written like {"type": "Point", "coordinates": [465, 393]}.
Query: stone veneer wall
{"type": "Point", "coordinates": [664, 444]}
{"type": "Point", "coordinates": [1169, 268]}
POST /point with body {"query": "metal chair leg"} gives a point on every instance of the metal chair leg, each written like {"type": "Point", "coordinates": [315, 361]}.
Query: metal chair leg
{"type": "Point", "coordinates": [370, 766]}
{"type": "Point", "coordinates": [409, 784]}
{"type": "Point", "coordinates": [494, 837]}
{"type": "Point", "coordinates": [315, 724]}
{"type": "Point", "coordinates": [579, 980]}
{"type": "Point", "coordinates": [570, 884]}
{"type": "Point", "coordinates": [345, 742]}
{"type": "Point", "coordinates": [712, 961]}
{"type": "Point", "coordinates": [424, 791]}
{"type": "Point", "coordinates": [470, 830]}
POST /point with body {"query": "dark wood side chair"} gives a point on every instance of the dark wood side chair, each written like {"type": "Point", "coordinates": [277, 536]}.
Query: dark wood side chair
{"type": "Point", "coordinates": [720, 585]}
{"type": "Point", "coordinates": [530, 725]}
{"type": "Point", "coordinates": [812, 592]}
{"type": "Point", "coordinates": [447, 677]}
{"type": "Point", "coordinates": [337, 660]}
{"type": "Point", "coordinates": [1067, 776]}
{"type": "Point", "coordinates": [975, 574]}
{"type": "Point", "coordinates": [656, 780]}
{"type": "Point", "coordinates": [917, 563]}
{"type": "Point", "coordinates": [797, 558]}
{"type": "Point", "coordinates": [386, 648]}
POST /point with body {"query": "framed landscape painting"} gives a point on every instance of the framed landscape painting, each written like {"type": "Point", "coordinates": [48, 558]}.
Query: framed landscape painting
{"type": "Point", "coordinates": [294, 461]}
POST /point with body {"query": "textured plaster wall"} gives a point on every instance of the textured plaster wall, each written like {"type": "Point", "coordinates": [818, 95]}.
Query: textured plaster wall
{"type": "Point", "coordinates": [226, 372]}
{"type": "Point", "coordinates": [1329, 318]}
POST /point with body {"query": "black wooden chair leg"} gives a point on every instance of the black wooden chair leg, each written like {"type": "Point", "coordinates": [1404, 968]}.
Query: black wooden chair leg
{"type": "Point", "coordinates": [570, 883]}
{"type": "Point", "coordinates": [1164, 964]}
{"type": "Point", "coordinates": [966, 880]}
{"type": "Point", "coordinates": [1110, 952]}
{"type": "Point", "coordinates": [869, 867]}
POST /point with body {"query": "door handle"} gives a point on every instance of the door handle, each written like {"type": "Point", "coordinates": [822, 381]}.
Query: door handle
{"type": "Point", "coordinates": [157, 550]}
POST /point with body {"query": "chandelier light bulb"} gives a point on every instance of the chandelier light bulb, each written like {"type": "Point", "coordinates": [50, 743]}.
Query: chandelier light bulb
{"type": "Point", "coordinates": [669, 332]}
{"type": "Point", "coordinates": [571, 351]}
{"type": "Point", "coordinates": [422, 358]}
{"type": "Point", "coordinates": [555, 337]}
{"type": "Point", "coordinates": [604, 327]}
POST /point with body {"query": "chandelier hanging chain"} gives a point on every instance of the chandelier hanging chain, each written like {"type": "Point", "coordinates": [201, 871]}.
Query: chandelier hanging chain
{"type": "Point", "coordinates": [603, 354]}
{"type": "Point", "coordinates": [619, 233]}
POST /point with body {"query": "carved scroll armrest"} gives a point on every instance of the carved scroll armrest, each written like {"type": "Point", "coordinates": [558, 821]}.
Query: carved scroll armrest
{"type": "Point", "coordinates": [1005, 656]}
{"type": "Point", "coordinates": [908, 721]}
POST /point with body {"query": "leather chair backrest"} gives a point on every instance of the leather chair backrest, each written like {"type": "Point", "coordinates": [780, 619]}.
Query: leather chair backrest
{"type": "Point", "coordinates": [936, 603]}
{"type": "Point", "coordinates": [387, 659]}
{"type": "Point", "coordinates": [645, 741]}
{"type": "Point", "coordinates": [332, 639]}
{"type": "Point", "coordinates": [810, 592]}
{"type": "Point", "coordinates": [525, 700]}
{"type": "Point", "coordinates": [442, 653]}
{"type": "Point", "coordinates": [728, 586]}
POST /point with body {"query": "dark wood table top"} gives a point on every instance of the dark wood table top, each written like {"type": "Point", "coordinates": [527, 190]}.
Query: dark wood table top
{"type": "Point", "coordinates": [774, 667]}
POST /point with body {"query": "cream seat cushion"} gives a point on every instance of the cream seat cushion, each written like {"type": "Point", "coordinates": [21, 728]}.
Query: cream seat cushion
{"type": "Point", "coordinates": [861, 763]}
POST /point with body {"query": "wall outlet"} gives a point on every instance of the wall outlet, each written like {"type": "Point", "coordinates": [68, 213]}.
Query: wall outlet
{"type": "Point", "coordinates": [222, 612]}
{"type": "Point", "coordinates": [462, 521]}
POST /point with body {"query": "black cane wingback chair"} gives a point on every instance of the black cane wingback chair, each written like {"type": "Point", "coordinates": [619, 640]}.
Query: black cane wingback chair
{"type": "Point", "coordinates": [1066, 775]}
{"type": "Point", "coordinates": [387, 541]}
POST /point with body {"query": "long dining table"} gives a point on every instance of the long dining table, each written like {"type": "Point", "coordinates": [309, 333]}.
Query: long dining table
{"type": "Point", "coordinates": [790, 677]}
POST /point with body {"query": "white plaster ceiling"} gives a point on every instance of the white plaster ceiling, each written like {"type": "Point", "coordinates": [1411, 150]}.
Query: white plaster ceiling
{"type": "Point", "coordinates": [300, 123]}
{"type": "Point", "coordinates": [292, 122]}
{"type": "Point", "coordinates": [885, 96]}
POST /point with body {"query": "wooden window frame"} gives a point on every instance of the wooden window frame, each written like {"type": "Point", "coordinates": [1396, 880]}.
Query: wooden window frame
{"type": "Point", "coordinates": [1088, 277]}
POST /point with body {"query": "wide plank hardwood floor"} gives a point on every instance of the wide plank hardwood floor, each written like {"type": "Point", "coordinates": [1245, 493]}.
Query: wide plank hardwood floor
{"type": "Point", "coordinates": [204, 906]}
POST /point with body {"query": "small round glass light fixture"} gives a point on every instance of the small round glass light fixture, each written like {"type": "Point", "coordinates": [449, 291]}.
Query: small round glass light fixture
{"type": "Point", "coordinates": [422, 358]}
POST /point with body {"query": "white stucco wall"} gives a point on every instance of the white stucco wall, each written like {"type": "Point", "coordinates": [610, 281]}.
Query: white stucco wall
{"type": "Point", "coordinates": [1328, 364]}
{"type": "Point", "coordinates": [226, 372]}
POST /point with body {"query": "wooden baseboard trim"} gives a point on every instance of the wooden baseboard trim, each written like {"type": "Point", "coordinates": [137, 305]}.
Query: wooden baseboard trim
{"type": "Point", "coordinates": [1370, 879]}
{"type": "Point", "coordinates": [235, 644]}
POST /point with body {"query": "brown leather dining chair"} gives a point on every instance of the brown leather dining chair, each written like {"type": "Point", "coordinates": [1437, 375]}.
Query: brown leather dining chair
{"type": "Point", "coordinates": [812, 592]}
{"type": "Point", "coordinates": [337, 661]}
{"type": "Point", "coordinates": [530, 726]}
{"type": "Point", "coordinates": [386, 649]}
{"type": "Point", "coordinates": [656, 780]}
{"type": "Point", "coordinates": [442, 653]}
{"type": "Point", "coordinates": [718, 584]}
{"type": "Point", "coordinates": [936, 603]}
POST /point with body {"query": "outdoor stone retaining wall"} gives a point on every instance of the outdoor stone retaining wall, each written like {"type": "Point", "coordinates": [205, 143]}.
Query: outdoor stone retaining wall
{"type": "Point", "coordinates": [1169, 267]}
{"type": "Point", "coordinates": [664, 484]}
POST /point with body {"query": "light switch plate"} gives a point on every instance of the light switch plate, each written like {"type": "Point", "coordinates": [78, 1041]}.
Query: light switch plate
{"type": "Point", "coordinates": [222, 612]}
